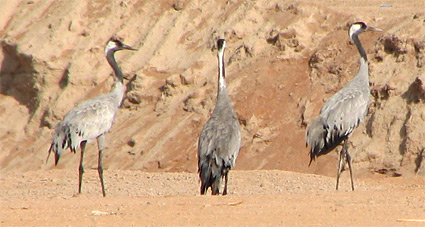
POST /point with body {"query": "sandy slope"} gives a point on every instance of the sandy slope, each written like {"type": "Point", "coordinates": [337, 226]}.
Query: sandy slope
{"type": "Point", "coordinates": [283, 60]}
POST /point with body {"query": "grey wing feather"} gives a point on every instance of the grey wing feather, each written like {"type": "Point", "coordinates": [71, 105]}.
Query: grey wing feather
{"type": "Point", "coordinates": [92, 118]}
{"type": "Point", "coordinates": [315, 137]}
{"type": "Point", "coordinates": [344, 111]}
{"type": "Point", "coordinates": [340, 115]}
{"type": "Point", "coordinates": [88, 120]}
{"type": "Point", "coordinates": [220, 141]}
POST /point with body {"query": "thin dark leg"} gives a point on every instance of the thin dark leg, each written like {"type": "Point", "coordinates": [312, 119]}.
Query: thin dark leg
{"type": "Point", "coordinates": [81, 168]}
{"type": "Point", "coordinates": [348, 157]}
{"type": "Point", "coordinates": [341, 162]}
{"type": "Point", "coordinates": [215, 187]}
{"type": "Point", "coordinates": [204, 185]}
{"type": "Point", "coordinates": [225, 183]}
{"type": "Point", "coordinates": [100, 144]}
{"type": "Point", "coordinates": [202, 188]}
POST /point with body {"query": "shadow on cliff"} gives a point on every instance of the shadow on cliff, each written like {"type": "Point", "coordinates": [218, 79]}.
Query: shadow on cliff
{"type": "Point", "coordinates": [18, 76]}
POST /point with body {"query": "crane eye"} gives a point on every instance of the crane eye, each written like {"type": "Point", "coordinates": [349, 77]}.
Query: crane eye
{"type": "Point", "coordinates": [119, 43]}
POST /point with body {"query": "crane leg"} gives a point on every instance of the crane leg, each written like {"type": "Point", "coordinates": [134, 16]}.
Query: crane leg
{"type": "Point", "coordinates": [101, 146]}
{"type": "Point", "coordinates": [342, 157]}
{"type": "Point", "coordinates": [215, 187]}
{"type": "Point", "coordinates": [348, 157]}
{"type": "Point", "coordinates": [225, 183]}
{"type": "Point", "coordinates": [205, 177]}
{"type": "Point", "coordinates": [81, 168]}
{"type": "Point", "coordinates": [203, 189]}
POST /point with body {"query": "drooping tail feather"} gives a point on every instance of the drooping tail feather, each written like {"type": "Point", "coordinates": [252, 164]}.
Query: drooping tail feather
{"type": "Point", "coordinates": [315, 137]}
{"type": "Point", "coordinates": [205, 174]}
{"type": "Point", "coordinates": [50, 150]}
{"type": "Point", "coordinates": [55, 151]}
{"type": "Point", "coordinates": [319, 141]}
{"type": "Point", "coordinates": [61, 141]}
{"type": "Point", "coordinates": [210, 174]}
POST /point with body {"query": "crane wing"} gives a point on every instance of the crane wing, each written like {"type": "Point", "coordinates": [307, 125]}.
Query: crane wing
{"type": "Point", "coordinates": [89, 120]}
{"type": "Point", "coordinates": [343, 112]}
{"type": "Point", "coordinates": [220, 141]}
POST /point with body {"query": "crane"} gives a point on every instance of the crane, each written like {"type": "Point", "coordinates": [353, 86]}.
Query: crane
{"type": "Point", "coordinates": [220, 139]}
{"type": "Point", "coordinates": [92, 118]}
{"type": "Point", "coordinates": [343, 112]}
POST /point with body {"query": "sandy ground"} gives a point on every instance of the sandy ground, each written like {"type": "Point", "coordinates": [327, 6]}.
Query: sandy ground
{"type": "Point", "coordinates": [257, 198]}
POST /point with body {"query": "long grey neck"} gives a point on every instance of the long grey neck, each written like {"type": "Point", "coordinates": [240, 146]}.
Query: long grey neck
{"type": "Point", "coordinates": [111, 60]}
{"type": "Point", "coordinates": [364, 68]}
{"type": "Point", "coordinates": [221, 74]}
{"type": "Point", "coordinates": [359, 47]}
{"type": "Point", "coordinates": [118, 88]}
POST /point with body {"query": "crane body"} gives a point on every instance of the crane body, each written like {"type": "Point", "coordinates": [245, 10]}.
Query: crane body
{"type": "Point", "coordinates": [220, 139]}
{"type": "Point", "coordinates": [343, 112]}
{"type": "Point", "coordinates": [91, 119]}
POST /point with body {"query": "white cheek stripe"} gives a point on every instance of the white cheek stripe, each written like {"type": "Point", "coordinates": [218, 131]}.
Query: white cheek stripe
{"type": "Point", "coordinates": [111, 45]}
{"type": "Point", "coordinates": [354, 29]}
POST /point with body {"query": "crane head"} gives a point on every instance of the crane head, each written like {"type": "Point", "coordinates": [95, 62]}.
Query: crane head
{"type": "Point", "coordinates": [115, 44]}
{"type": "Point", "coordinates": [221, 44]}
{"type": "Point", "coordinates": [359, 27]}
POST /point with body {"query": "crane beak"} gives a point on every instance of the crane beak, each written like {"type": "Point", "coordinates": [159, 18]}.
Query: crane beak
{"type": "Point", "coordinates": [372, 29]}
{"type": "Point", "coordinates": [127, 47]}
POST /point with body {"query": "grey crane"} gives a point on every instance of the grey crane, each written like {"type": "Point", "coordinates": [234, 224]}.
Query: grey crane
{"type": "Point", "coordinates": [92, 118]}
{"type": "Point", "coordinates": [220, 139]}
{"type": "Point", "coordinates": [343, 112]}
